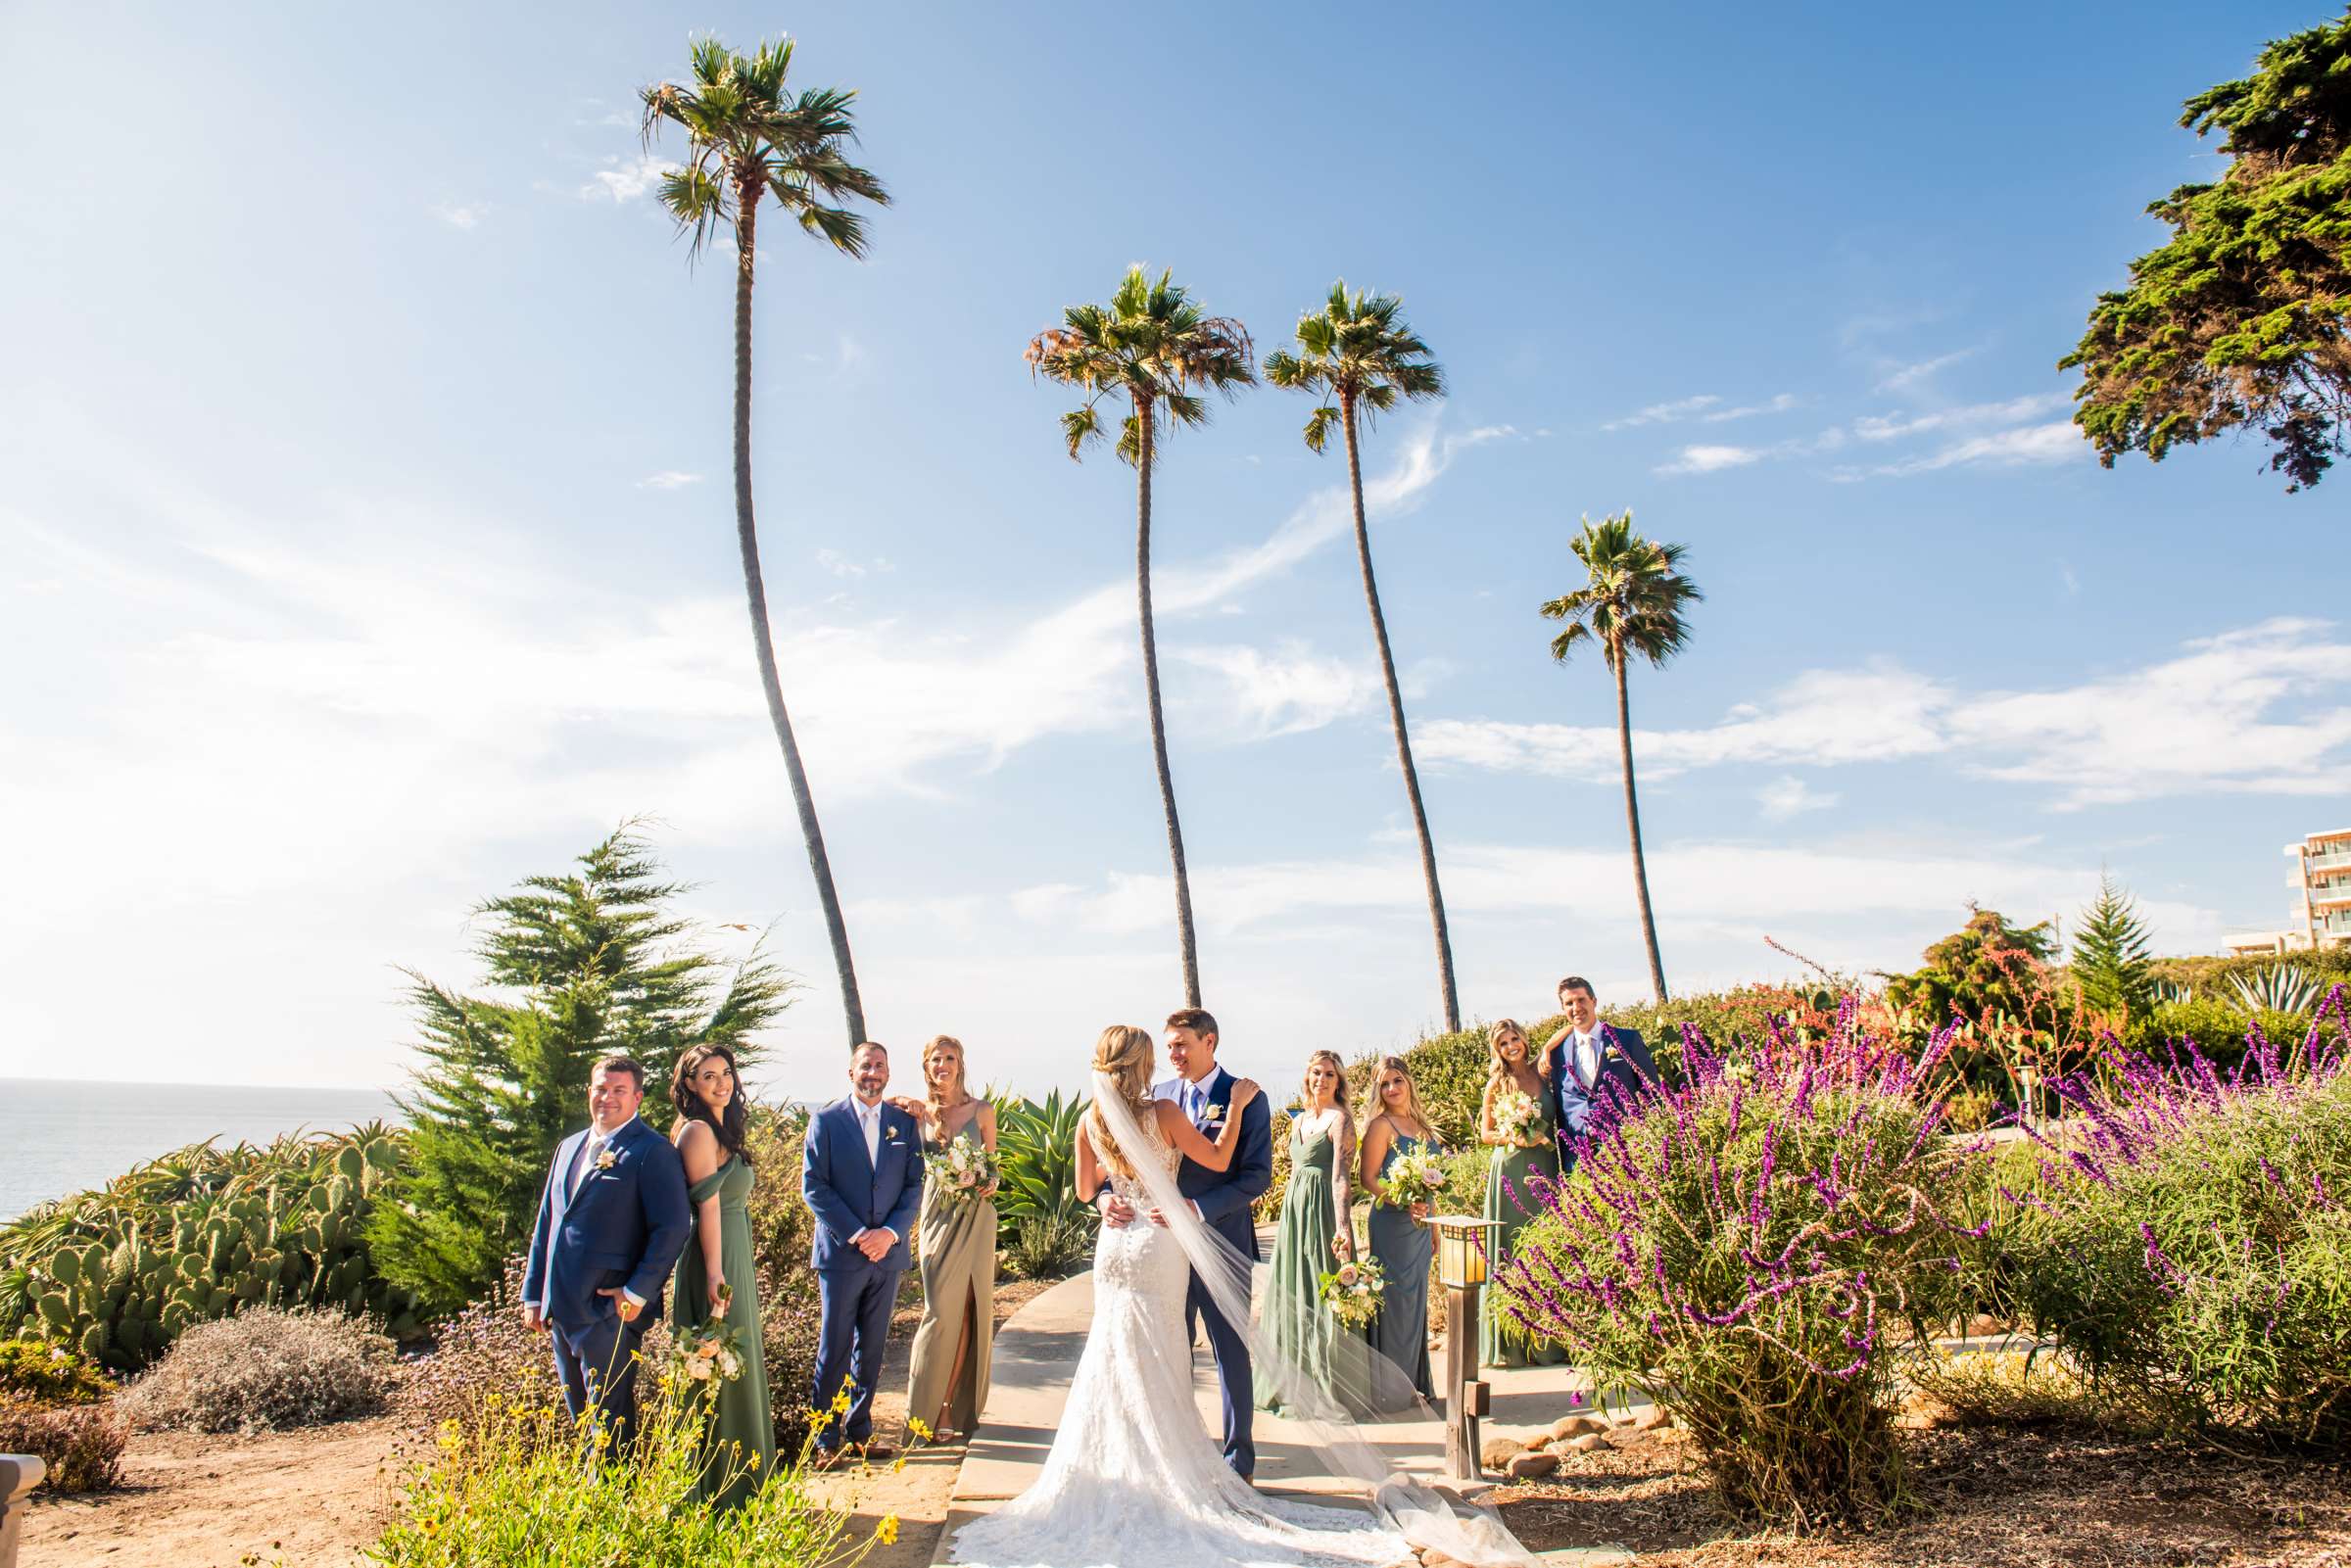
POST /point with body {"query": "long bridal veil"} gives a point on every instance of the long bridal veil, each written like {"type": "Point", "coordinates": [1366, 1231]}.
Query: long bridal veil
{"type": "Point", "coordinates": [1411, 1507]}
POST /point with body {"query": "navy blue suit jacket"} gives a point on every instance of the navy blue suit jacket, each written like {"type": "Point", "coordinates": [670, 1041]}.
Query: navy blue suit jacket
{"type": "Point", "coordinates": [1625, 1073]}
{"type": "Point", "coordinates": [1226, 1197]}
{"type": "Point", "coordinates": [848, 1193]}
{"type": "Point", "coordinates": [625, 1225]}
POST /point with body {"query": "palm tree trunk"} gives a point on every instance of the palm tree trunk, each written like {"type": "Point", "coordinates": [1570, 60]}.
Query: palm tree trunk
{"type": "Point", "coordinates": [1159, 728]}
{"type": "Point", "coordinates": [747, 534]}
{"type": "Point", "coordinates": [1404, 743]}
{"type": "Point", "coordinates": [1632, 819]}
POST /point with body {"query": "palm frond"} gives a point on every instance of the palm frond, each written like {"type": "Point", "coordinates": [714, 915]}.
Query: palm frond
{"type": "Point", "coordinates": [1080, 426]}
{"type": "Point", "coordinates": [1319, 426]}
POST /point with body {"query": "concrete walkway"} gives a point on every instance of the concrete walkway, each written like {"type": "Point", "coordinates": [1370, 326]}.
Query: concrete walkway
{"type": "Point", "coordinates": [1036, 1356]}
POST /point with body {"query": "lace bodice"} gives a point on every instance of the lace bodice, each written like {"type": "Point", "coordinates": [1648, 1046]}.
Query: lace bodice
{"type": "Point", "coordinates": [1154, 1148]}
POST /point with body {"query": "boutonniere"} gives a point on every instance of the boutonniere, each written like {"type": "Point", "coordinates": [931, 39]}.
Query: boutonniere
{"type": "Point", "coordinates": [1214, 1113]}
{"type": "Point", "coordinates": [891, 1133]}
{"type": "Point", "coordinates": [606, 1159]}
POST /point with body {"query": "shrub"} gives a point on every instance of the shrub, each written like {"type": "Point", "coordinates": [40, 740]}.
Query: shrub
{"type": "Point", "coordinates": [2190, 1244]}
{"type": "Point", "coordinates": [49, 1374]}
{"type": "Point", "coordinates": [82, 1444]}
{"type": "Point", "coordinates": [500, 1496]}
{"type": "Point", "coordinates": [2009, 1388]}
{"type": "Point", "coordinates": [1038, 1145]}
{"type": "Point", "coordinates": [1740, 1249]}
{"type": "Point", "coordinates": [2215, 1027]}
{"type": "Point", "coordinates": [1048, 1247]}
{"type": "Point", "coordinates": [487, 1369]}
{"type": "Point", "coordinates": [264, 1369]}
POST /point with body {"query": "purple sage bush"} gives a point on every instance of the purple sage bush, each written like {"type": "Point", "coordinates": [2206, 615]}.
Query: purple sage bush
{"type": "Point", "coordinates": [2187, 1241]}
{"type": "Point", "coordinates": [1755, 1249]}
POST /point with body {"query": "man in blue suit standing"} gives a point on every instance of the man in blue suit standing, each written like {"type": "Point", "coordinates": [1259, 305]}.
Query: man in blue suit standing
{"type": "Point", "coordinates": [611, 1222]}
{"type": "Point", "coordinates": [1223, 1199]}
{"type": "Point", "coordinates": [1592, 1069]}
{"type": "Point", "coordinates": [862, 1173]}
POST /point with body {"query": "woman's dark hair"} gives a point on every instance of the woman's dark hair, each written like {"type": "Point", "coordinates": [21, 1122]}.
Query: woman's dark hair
{"type": "Point", "coordinates": [730, 1127]}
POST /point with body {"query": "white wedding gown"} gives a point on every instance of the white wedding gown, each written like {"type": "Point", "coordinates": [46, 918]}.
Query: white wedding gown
{"type": "Point", "coordinates": [1135, 1480]}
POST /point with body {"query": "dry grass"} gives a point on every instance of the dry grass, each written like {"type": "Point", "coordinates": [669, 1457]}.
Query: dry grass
{"type": "Point", "coordinates": [2062, 1498]}
{"type": "Point", "coordinates": [264, 1370]}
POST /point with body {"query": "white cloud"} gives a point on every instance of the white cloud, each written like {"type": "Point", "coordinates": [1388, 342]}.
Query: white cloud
{"type": "Point", "coordinates": [2206, 720]}
{"type": "Point", "coordinates": [668, 479]}
{"type": "Point", "coordinates": [1664, 413]}
{"type": "Point", "coordinates": [1712, 460]}
{"type": "Point", "coordinates": [1891, 427]}
{"type": "Point", "coordinates": [2054, 443]}
{"type": "Point", "coordinates": [468, 216]}
{"type": "Point", "coordinates": [1789, 796]}
{"type": "Point", "coordinates": [1287, 690]}
{"type": "Point", "coordinates": [1910, 375]}
{"type": "Point", "coordinates": [1780, 403]}
{"type": "Point", "coordinates": [840, 565]}
{"type": "Point", "coordinates": [627, 179]}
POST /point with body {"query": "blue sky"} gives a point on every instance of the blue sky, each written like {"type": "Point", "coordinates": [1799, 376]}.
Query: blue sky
{"type": "Point", "coordinates": [362, 484]}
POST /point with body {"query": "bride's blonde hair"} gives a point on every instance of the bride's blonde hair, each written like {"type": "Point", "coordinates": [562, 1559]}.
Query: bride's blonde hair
{"type": "Point", "coordinates": [1123, 1055]}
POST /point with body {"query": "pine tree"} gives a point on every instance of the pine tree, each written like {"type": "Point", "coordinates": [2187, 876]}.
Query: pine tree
{"type": "Point", "coordinates": [2111, 963]}
{"type": "Point", "coordinates": [580, 965]}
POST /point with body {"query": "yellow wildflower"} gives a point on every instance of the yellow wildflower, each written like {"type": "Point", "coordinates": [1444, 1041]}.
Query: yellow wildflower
{"type": "Point", "coordinates": [841, 1402]}
{"type": "Point", "coordinates": [921, 1429]}
{"type": "Point", "coordinates": [886, 1531]}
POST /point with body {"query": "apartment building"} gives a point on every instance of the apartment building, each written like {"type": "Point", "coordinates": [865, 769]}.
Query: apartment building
{"type": "Point", "coordinates": [2320, 875]}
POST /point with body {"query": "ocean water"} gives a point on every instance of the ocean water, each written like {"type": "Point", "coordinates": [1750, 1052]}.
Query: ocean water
{"type": "Point", "coordinates": [59, 1136]}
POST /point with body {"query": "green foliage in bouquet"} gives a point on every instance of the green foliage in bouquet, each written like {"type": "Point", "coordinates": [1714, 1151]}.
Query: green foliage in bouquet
{"type": "Point", "coordinates": [118, 1273]}
{"type": "Point", "coordinates": [584, 964]}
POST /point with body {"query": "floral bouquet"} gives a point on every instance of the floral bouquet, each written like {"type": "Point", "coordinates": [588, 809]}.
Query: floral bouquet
{"type": "Point", "coordinates": [966, 1170]}
{"type": "Point", "coordinates": [1517, 1117]}
{"type": "Point", "coordinates": [1354, 1290]}
{"type": "Point", "coordinates": [1412, 1178]}
{"type": "Point", "coordinates": [705, 1355]}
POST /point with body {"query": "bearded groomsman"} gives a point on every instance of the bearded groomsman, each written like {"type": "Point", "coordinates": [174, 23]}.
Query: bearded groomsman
{"type": "Point", "coordinates": [862, 1173]}
{"type": "Point", "coordinates": [1591, 1069]}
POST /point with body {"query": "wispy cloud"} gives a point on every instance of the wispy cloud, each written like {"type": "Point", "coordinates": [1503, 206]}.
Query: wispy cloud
{"type": "Point", "coordinates": [1712, 460]}
{"type": "Point", "coordinates": [467, 215]}
{"type": "Point", "coordinates": [1288, 690]}
{"type": "Point", "coordinates": [1664, 413]}
{"type": "Point", "coordinates": [627, 179]}
{"type": "Point", "coordinates": [2054, 443]}
{"type": "Point", "coordinates": [668, 479]}
{"type": "Point", "coordinates": [1780, 403]}
{"type": "Point", "coordinates": [1789, 796]}
{"type": "Point", "coordinates": [1893, 427]}
{"type": "Point", "coordinates": [2266, 709]}
{"type": "Point", "coordinates": [1910, 375]}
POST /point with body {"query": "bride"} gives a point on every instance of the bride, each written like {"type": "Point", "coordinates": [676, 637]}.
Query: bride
{"type": "Point", "coordinates": [1133, 1478]}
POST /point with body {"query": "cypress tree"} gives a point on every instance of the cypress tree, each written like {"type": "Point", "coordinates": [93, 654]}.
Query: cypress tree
{"type": "Point", "coordinates": [2111, 963]}
{"type": "Point", "coordinates": [580, 965]}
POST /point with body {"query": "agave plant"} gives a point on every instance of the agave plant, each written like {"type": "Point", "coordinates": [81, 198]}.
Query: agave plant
{"type": "Point", "coordinates": [2282, 989]}
{"type": "Point", "coordinates": [1038, 1145]}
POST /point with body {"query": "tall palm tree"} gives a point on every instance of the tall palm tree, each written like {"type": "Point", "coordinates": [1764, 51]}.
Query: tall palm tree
{"type": "Point", "coordinates": [1151, 346]}
{"type": "Point", "coordinates": [1632, 606]}
{"type": "Point", "coordinates": [748, 136]}
{"type": "Point", "coordinates": [1358, 351]}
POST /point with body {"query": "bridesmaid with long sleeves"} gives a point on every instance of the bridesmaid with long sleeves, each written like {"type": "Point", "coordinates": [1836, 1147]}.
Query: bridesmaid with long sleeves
{"type": "Point", "coordinates": [715, 1277]}
{"type": "Point", "coordinates": [1511, 1198]}
{"type": "Point", "coordinates": [1315, 1236]}
{"type": "Point", "coordinates": [947, 1387]}
{"type": "Point", "coordinates": [1393, 1127]}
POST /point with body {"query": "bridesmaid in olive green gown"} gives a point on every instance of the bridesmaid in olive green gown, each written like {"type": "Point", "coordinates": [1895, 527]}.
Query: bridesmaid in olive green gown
{"type": "Point", "coordinates": [947, 1386]}
{"type": "Point", "coordinates": [715, 1276]}
{"type": "Point", "coordinates": [1511, 1195]}
{"type": "Point", "coordinates": [1312, 1240]}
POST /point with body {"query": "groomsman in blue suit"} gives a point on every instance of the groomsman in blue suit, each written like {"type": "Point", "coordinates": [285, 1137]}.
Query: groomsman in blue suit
{"type": "Point", "coordinates": [862, 1174]}
{"type": "Point", "coordinates": [611, 1222]}
{"type": "Point", "coordinates": [1222, 1198]}
{"type": "Point", "coordinates": [1591, 1068]}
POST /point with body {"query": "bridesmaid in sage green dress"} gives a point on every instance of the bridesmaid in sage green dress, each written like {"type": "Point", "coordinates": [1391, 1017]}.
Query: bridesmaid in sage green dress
{"type": "Point", "coordinates": [1509, 1195]}
{"type": "Point", "coordinates": [1315, 1236]}
{"type": "Point", "coordinates": [947, 1387]}
{"type": "Point", "coordinates": [1393, 1127]}
{"type": "Point", "coordinates": [715, 1276]}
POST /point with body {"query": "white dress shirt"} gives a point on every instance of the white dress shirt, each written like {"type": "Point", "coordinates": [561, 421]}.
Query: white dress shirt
{"type": "Point", "coordinates": [869, 1122]}
{"type": "Point", "coordinates": [1584, 1051]}
{"type": "Point", "coordinates": [1191, 1098]}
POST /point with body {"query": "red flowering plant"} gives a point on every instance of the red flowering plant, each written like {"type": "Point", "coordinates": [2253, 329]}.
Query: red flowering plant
{"type": "Point", "coordinates": [1751, 1249]}
{"type": "Point", "coordinates": [2187, 1240]}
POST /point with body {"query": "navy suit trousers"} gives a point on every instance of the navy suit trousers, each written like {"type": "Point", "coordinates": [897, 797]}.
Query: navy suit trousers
{"type": "Point", "coordinates": [853, 1333]}
{"type": "Point", "coordinates": [1236, 1388]}
{"type": "Point", "coordinates": [598, 1366]}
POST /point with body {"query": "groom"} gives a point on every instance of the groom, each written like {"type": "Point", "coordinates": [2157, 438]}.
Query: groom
{"type": "Point", "coordinates": [861, 1172]}
{"type": "Point", "coordinates": [1223, 1199]}
{"type": "Point", "coordinates": [612, 1220]}
{"type": "Point", "coordinates": [1590, 1069]}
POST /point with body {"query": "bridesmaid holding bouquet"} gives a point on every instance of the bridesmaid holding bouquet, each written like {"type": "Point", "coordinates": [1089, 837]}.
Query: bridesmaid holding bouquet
{"type": "Point", "coordinates": [715, 1279]}
{"type": "Point", "coordinates": [1394, 1130]}
{"type": "Point", "coordinates": [947, 1387]}
{"type": "Point", "coordinates": [1514, 1119]}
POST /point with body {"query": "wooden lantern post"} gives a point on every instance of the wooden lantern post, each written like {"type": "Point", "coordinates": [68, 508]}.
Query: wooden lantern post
{"type": "Point", "coordinates": [1462, 1244]}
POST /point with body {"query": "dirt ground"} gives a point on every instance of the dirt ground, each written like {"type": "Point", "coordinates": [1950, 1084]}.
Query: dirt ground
{"type": "Point", "coordinates": [2015, 1499]}
{"type": "Point", "coordinates": [314, 1499]}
